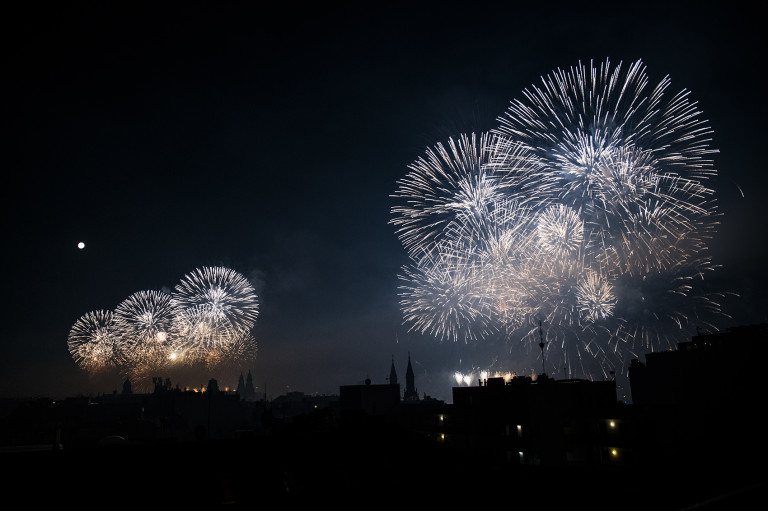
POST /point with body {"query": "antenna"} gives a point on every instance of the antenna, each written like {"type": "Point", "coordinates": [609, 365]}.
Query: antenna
{"type": "Point", "coordinates": [541, 345]}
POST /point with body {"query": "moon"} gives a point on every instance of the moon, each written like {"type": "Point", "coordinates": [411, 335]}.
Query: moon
{"type": "Point", "coordinates": [81, 245]}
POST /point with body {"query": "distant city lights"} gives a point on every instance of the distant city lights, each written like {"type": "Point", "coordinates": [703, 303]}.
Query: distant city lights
{"type": "Point", "coordinates": [482, 376]}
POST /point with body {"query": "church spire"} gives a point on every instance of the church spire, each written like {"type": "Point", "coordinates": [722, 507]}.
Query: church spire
{"type": "Point", "coordinates": [393, 373]}
{"type": "Point", "coordinates": [410, 386]}
{"type": "Point", "coordinates": [250, 391]}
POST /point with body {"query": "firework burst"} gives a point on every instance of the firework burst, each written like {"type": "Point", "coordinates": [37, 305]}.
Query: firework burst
{"type": "Point", "coordinates": [143, 324]}
{"type": "Point", "coordinates": [206, 322]}
{"type": "Point", "coordinates": [440, 295]}
{"type": "Point", "coordinates": [229, 300]}
{"type": "Point", "coordinates": [586, 209]}
{"type": "Point", "coordinates": [595, 298]}
{"type": "Point", "coordinates": [560, 231]}
{"type": "Point", "coordinates": [631, 160]}
{"type": "Point", "coordinates": [93, 342]}
{"type": "Point", "coordinates": [457, 188]}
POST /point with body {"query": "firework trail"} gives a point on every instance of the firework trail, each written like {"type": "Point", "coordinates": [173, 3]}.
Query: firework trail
{"type": "Point", "coordinates": [586, 209]}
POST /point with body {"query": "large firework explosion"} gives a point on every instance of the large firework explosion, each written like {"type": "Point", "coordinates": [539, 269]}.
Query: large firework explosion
{"type": "Point", "coordinates": [203, 325]}
{"type": "Point", "coordinates": [143, 324]}
{"type": "Point", "coordinates": [587, 210]}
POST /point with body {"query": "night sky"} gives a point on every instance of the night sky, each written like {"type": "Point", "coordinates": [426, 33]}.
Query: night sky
{"type": "Point", "coordinates": [169, 136]}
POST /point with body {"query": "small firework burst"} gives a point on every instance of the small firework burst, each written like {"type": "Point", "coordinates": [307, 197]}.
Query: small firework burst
{"type": "Point", "coordinates": [206, 321]}
{"type": "Point", "coordinates": [94, 343]}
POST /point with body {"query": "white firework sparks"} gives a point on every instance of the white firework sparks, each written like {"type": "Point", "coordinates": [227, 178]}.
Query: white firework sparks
{"type": "Point", "coordinates": [439, 296]}
{"type": "Point", "coordinates": [632, 162]}
{"type": "Point", "coordinates": [595, 297]}
{"type": "Point", "coordinates": [460, 184]}
{"type": "Point", "coordinates": [143, 323]}
{"type": "Point", "coordinates": [207, 320]}
{"type": "Point", "coordinates": [560, 231]}
{"type": "Point", "coordinates": [228, 296]}
{"type": "Point", "coordinates": [598, 225]}
{"type": "Point", "coordinates": [93, 342]}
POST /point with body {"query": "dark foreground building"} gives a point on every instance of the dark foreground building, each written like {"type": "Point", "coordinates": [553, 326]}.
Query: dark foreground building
{"type": "Point", "coordinates": [690, 440]}
{"type": "Point", "coordinates": [701, 405]}
{"type": "Point", "coordinates": [537, 422]}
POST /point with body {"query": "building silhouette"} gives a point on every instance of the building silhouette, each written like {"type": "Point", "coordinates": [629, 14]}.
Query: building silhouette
{"type": "Point", "coordinates": [696, 412]}
{"type": "Point", "coordinates": [700, 404]}
{"type": "Point", "coordinates": [712, 370]}
{"type": "Point", "coordinates": [521, 421]}
{"type": "Point", "coordinates": [358, 402]}
{"type": "Point", "coordinates": [410, 394]}
{"type": "Point", "coordinates": [393, 373]}
{"type": "Point", "coordinates": [245, 388]}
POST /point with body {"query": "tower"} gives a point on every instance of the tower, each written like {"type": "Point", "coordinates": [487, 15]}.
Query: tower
{"type": "Point", "coordinates": [250, 391]}
{"type": "Point", "coordinates": [393, 373]}
{"type": "Point", "coordinates": [410, 388]}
